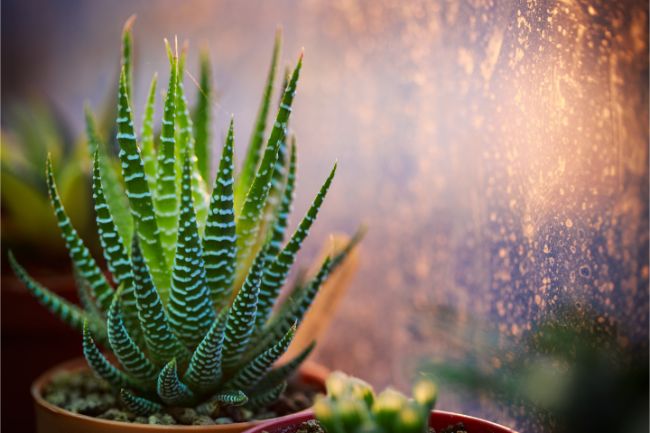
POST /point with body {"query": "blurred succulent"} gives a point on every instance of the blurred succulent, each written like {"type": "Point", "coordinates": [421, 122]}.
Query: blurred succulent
{"type": "Point", "coordinates": [31, 131]}
{"type": "Point", "coordinates": [571, 372]}
{"type": "Point", "coordinates": [351, 406]}
{"type": "Point", "coordinates": [197, 273]}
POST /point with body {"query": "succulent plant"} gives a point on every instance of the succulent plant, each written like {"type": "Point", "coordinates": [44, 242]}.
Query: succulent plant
{"type": "Point", "coordinates": [351, 406]}
{"type": "Point", "coordinates": [32, 130]}
{"type": "Point", "coordinates": [188, 314]}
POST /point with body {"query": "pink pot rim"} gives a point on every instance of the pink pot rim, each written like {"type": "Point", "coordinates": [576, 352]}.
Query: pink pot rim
{"type": "Point", "coordinates": [307, 415]}
{"type": "Point", "coordinates": [310, 371]}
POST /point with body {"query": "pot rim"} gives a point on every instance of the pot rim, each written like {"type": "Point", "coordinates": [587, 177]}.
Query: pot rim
{"type": "Point", "coordinates": [308, 414]}
{"type": "Point", "coordinates": [310, 370]}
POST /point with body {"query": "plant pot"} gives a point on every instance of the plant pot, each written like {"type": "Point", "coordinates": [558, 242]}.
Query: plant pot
{"type": "Point", "coordinates": [53, 419]}
{"type": "Point", "coordinates": [438, 420]}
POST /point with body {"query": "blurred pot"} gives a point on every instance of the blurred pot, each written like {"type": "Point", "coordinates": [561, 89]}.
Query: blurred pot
{"type": "Point", "coordinates": [53, 419]}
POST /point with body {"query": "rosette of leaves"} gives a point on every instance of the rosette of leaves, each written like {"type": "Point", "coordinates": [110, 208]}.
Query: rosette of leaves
{"type": "Point", "coordinates": [351, 406]}
{"type": "Point", "coordinates": [188, 309]}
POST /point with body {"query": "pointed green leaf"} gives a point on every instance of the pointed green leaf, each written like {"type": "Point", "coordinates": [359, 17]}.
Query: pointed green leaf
{"type": "Point", "coordinates": [204, 370]}
{"type": "Point", "coordinates": [64, 310]}
{"type": "Point", "coordinates": [115, 252]}
{"type": "Point", "coordinates": [282, 216]}
{"type": "Point", "coordinates": [166, 199]}
{"type": "Point", "coordinates": [111, 178]}
{"type": "Point", "coordinates": [185, 142]}
{"type": "Point", "coordinates": [138, 405]}
{"type": "Point", "coordinates": [84, 292]}
{"type": "Point", "coordinates": [250, 374]}
{"type": "Point", "coordinates": [139, 195]}
{"type": "Point", "coordinates": [233, 397]}
{"type": "Point", "coordinates": [170, 389]}
{"type": "Point", "coordinates": [147, 140]}
{"type": "Point", "coordinates": [220, 239]}
{"type": "Point", "coordinates": [284, 372]}
{"type": "Point", "coordinates": [251, 162]}
{"type": "Point", "coordinates": [127, 54]}
{"type": "Point", "coordinates": [202, 118]}
{"type": "Point", "coordinates": [297, 304]}
{"type": "Point", "coordinates": [230, 398]}
{"type": "Point", "coordinates": [286, 76]}
{"type": "Point", "coordinates": [276, 273]}
{"type": "Point", "coordinates": [126, 351]}
{"type": "Point", "coordinates": [79, 254]}
{"type": "Point", "coordinates": [264, 399]}
{"type": "Point", "coordinates": [190, 308]}
{"type": "Point", "coordinates": [249, 218]}
{"type": "Point", "coordinates": [162, 343]}
{"type": "Point", "coordinates": [241, 321]}
{"type": "Point", "coordinates": [101, 366]}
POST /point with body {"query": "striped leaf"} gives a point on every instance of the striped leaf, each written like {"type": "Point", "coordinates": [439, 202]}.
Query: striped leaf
{"type": "Point", "coordinates": [232, 397]}
{"type": "Point", "coordinates": [84, 292]}
{"type": "Point", "coordinates": [138, 405]}
{"type": "Point", "coordinates": [127, 54]}
{"type": "Point", "coordinates": [254, 151]}
{"type": "Point", "coordinates": [114, 250]}
{"type": "Point", "coordinates": [147, 137]}
{"type": "Point", "coordinates": [190, 309]}
{"type": "Point", "coordinates": [113, 187]}
{"type": "Point", "coordinates": [126, 351]}
{"type": "Point", "coordinates": [204, 371]}
{"type": "Point", "coordinates": [170, 389]}
{"type": "Point", "coordinates": [220, 239]}
{"type": "Point", "coordinates": [161, 342]}
{"type": "Point", "coordinates": [241, 321]}
{"type": "Point", "coordinates": [281, 221]}
{"type": "Point", "coordinates": [286, 76]}
{"type": "Point", "coordinates": [273, 203]}
{"type": "Point", "coordinates": [101, 366]}
{"type": "Point", "coordinates": [69, 313]}
{"type": "Point", "coordinates": [139, 194]}
{"type": "Point", "coordinates": [166, 199]}
{"type": "Point", "coordinates": [264, 399]}
{"type": "Point", "coordinates": [249, 219]}
{"type": "Point", "coordinates": [249, 375]}
{"type": "Point", "coordinates": [185, 142]}
{"type": "Point", "coordinates": [276, 273]}
{"type": "Point", "coordinates": [297, 304]}
{"type": "Point", "coordinates": [284, 372]}
{"type": "Point", "coordinates": [79, 254]}
{"type": "Point", "coordinates": [202, 117]}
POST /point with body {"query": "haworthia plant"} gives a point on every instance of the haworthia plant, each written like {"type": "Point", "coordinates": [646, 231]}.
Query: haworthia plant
{"type": "Point", "coordinates": [187, 309]}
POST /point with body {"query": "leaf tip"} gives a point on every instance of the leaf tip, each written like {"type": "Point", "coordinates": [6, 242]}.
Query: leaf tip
{"type": "Point", "coordinates": [128, 24]}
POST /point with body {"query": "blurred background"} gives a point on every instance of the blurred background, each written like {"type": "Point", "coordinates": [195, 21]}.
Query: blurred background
{"type": "Point", "coordinates": [497, 151]}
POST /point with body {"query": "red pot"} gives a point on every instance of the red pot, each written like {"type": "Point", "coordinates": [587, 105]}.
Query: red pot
{"type": "Point", "coordinates": [438, 420]}
{"type": "Point", "coordinates": [53, 419]}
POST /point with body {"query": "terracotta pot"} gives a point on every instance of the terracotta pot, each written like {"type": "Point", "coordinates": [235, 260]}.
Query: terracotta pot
{"type": "Point", "coordinates": [53, 419]}
{"type": "Point", "coordinates": [437, 420]}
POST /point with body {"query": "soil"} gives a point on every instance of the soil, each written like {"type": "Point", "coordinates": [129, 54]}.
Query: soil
{"type": "Point", "coordinates": [84, 393]}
